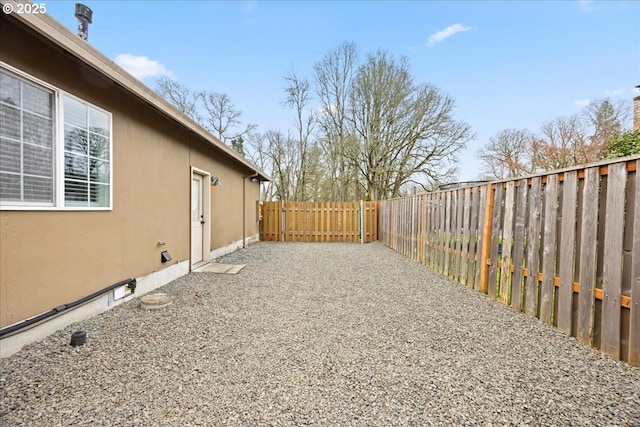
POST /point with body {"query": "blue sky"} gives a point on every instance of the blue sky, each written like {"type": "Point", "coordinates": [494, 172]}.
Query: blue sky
{"type": "Point", "coordinates": [507, 64]}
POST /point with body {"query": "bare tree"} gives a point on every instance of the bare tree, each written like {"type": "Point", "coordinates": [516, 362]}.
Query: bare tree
{"type": "Point", "coordinates": [508, 154]}
{"type": "Point", "coordinates": [298, 99]}
{"type": "Point", "coordinates": [183, 98]}
{"type": "Point", "coordinates": [213, 111]}
{"type": "Point", "coordinates": [222, 119]}
{"type": "Point", "coordinates": [316, 178]}
{"type": "Point", "coordinates": [258, 151]}
{"type": "Point", "coordinates": [284, 162]}
{"type": "Point", "coordinates": [564, 141]}
{"type": "Point", "coordinates": [405, 132]}
{"type": "Point", "coordinates": [333, 82]}
{"type": "Point", "coordinates": [563, 144]}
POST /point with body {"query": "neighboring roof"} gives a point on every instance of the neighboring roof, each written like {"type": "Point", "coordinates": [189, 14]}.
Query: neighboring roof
{"type": "Point", "coordinates": [56, 33]}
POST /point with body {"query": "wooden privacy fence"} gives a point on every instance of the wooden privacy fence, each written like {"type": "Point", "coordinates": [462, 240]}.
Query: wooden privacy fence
{"type": "Point", "coordinates": [319, 221]}
{"type": "Point", "coordinates": [564, 247]}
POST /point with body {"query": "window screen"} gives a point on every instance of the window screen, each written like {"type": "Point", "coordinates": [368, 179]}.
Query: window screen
{"type": "Point", "coordinates": [26, 141]}
{"type": "Point", "coordinates": [86, 155]}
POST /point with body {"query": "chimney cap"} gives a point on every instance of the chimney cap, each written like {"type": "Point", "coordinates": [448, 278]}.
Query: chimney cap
{"type": "Point", "coordinates": [83, 11]}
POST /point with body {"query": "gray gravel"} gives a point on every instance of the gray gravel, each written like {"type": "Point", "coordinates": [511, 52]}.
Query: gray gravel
{"type": "Point", "coordinates": [317, 334]}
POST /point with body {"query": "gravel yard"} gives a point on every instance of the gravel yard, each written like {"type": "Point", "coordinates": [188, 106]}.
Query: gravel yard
{"type": "Point", "coordinates": [317, 334]}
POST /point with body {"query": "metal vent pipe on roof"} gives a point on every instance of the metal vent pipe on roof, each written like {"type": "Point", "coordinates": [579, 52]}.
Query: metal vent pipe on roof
{"type": "Point", "coordinates": [84, 14]}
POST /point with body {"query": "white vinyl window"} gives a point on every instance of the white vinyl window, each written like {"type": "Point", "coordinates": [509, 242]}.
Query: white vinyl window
{"type": "Point", "coordinates": [86, 155]}
{"type": "Point", "coordinates": [55, 149]}
{"type": "Point", "coordinates": [26, 142]}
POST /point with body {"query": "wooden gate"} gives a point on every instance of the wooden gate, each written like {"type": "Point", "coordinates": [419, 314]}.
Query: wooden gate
{"type": "Point", "coordinates": [319, 221]}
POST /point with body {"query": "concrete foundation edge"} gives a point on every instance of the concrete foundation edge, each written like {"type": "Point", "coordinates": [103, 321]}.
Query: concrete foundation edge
{"type": "Point", "coordinates": [232, 247]}
{"type": "Point", "coordinates": [12, 344]}
{"type": "Point", "coordinates": [152, 281]}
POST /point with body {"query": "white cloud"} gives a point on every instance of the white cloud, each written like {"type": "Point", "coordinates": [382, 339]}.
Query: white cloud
{"type": "Point", "coordinates": [614, 92]}
{"type": "Point", "coordinates": [446, 33]}
{"type": "Point", "coordinates": [141, 66]}
{"type": "Point", "coordinates": [582, 103]}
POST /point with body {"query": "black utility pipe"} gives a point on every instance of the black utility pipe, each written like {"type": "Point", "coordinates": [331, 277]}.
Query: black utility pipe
{"type": "Point", "coordinates": [131, 284]}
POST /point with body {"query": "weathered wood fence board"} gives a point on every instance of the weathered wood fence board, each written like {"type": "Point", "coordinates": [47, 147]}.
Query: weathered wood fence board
{"type": "Point", "coordinates": [518, 246]}
{"type": "Point", "coordinates": [533, 246]}
{"type": "Point", "coordinates": [587, 278]}
{"type": "Point", "coordinates": [549, 237]}
{"type": "Point", "coordinates": [495, 241]}
{"type": "Point", "coordinates": [564, 247]}
{"type": "Point", "coordinates": [566, 255]}
{"type": "Point", "coordinates": [473, 237]}
{"type": "Point", "coordinates": [319, 221]}
{"type": "Point", "coordinates": [612, 270]}
{"type": "Point", "coordinates": [507, 236]}
{"type": "Point", "coordinates": [633, 198]}
{"type": "Point", "coordinates": [464, 254]}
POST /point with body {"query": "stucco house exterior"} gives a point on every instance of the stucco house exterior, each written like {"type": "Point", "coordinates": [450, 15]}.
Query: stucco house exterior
{"type": "Point", "coordinates": [98, 177]}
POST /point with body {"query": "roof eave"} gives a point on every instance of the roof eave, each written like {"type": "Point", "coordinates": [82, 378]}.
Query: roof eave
{"type": "Point", "coordinates": [59, 35]}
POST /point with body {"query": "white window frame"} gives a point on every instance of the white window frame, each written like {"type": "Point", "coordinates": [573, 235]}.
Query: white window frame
{"type": "Point", "coordinates": [58, 152]}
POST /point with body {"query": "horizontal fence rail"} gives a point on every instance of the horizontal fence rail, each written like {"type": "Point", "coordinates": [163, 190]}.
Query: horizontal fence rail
{"type": "Point", "coordinates": [319, 222]}
{"type": "Point", "coordinates": [563, 247]}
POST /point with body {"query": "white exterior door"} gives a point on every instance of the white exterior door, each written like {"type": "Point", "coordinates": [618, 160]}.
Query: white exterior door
{"type": "Point", "coordinates": [197, 219]}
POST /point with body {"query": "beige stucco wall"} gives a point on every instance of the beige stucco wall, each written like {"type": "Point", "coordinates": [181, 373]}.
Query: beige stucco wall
{"type": "Point", "coordinates": [227, 200]}
{"type": "Point", "coordinates": [48, 258]}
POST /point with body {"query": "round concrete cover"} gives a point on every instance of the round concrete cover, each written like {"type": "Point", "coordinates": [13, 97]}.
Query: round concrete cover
{"type": "Point", "coordinates": [155, 301]}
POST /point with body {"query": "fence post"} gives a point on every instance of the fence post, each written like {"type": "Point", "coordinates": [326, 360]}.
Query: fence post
{"type": "Point", "coordinates": [361, 221]}
{"type": "Point", "coordinates": [283, 222]}
{"type": "Point", "coordinates": [485, 251]}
